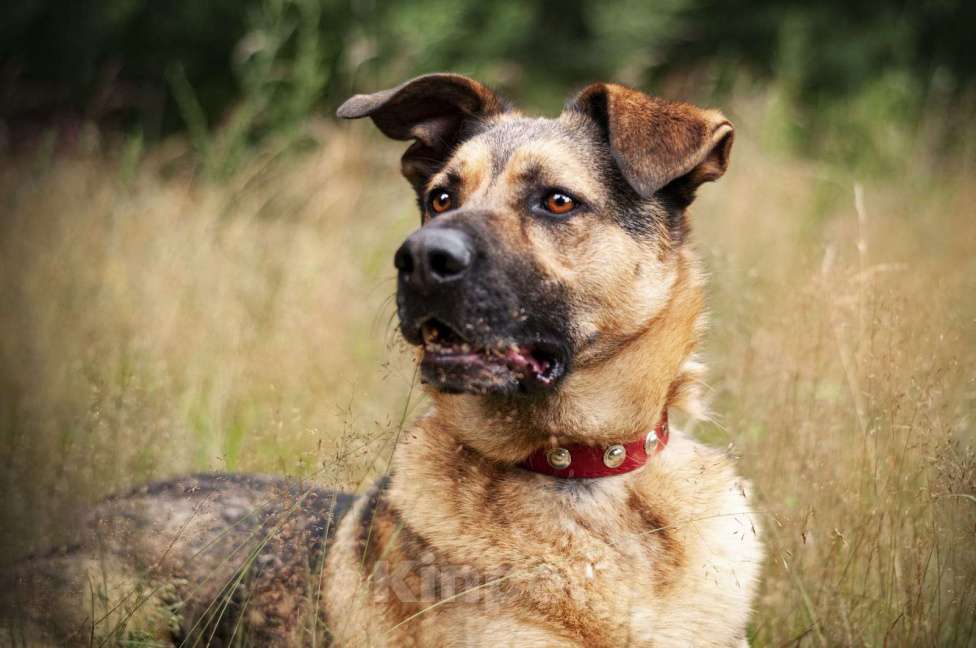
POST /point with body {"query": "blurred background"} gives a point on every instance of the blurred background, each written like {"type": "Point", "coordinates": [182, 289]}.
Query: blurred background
{"type": "Point", "coordinates": [196, 261]}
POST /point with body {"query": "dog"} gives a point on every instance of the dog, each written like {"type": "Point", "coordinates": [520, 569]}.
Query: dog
{"type": "Point", "coordinates": [555, 301]}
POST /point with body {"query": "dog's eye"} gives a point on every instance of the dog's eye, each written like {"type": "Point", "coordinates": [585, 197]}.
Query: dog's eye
{"type": "Point", "coordinates": [441, 201]}
{"type": "Point", "coordinates": [558, 203]}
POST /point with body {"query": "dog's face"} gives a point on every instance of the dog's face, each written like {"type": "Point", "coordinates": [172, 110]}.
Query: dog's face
{"type": "Point", "coordinates": [545, 244]}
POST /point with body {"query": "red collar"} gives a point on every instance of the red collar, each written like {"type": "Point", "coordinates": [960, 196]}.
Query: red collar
{"type": "Point", "coordinates": [581, 461]}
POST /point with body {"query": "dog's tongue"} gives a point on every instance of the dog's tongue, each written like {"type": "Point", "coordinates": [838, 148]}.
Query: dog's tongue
{"type": "Point", "coordinates": [521, 359]}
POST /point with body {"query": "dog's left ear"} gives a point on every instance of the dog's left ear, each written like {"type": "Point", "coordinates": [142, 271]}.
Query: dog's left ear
{"type": "Point", "coordinates": [438, 111]}
{"type": "Point", "coordinates": [656, 143]}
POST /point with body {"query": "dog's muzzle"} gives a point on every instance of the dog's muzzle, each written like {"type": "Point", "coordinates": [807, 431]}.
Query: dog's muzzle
{"type": "Point", "coordinates": [459, 301]}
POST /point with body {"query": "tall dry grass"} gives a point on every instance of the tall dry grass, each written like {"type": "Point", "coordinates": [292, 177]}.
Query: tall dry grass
{"type": "Point", "coordinates": [842, 353]}
{"type": "Point", "coordinates": [154, 324]}
{"type": "Point", "coordinates": [157, 326]}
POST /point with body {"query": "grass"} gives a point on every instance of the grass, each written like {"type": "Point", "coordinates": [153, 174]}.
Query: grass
{"type": "Point", "coordinates": [156, 324]}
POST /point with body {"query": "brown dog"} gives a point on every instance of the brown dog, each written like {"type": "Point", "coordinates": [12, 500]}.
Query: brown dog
{"type": "Point", "coordinates": [556, 303]}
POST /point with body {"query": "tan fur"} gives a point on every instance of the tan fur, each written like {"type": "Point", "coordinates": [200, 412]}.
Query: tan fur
{"type": "Point", "coordinates": [666, 556]}
{"type": "Point", "coordinates": [627, 563]}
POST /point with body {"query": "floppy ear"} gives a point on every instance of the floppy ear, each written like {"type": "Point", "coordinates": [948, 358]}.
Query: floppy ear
{"type": "Point", "coordinates": [658, 143]}
{"type": "Point", "coordinates": [436, 110]}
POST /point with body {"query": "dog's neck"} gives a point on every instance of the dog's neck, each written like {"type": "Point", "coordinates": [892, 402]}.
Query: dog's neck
{"type": "Point", "coordinates": [616, 399]}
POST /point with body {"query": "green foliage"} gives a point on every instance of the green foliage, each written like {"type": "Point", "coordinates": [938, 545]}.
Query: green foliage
{"type": "Point", "coordinates": [849, 73]}
{"type": "Point", "coordinates": [278, 66]}
{"type": "Point", "coordinates": [252, 68]}
{"type": "Point", "coordinates": [831, 49]}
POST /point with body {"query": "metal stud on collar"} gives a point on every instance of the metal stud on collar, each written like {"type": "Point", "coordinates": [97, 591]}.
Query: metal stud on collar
{"type": "Point", "coordinates": [650, 442]}
{"type": "Point", "coordinates": [614, 456]}
{"type": "Point", "coordinates": [559, 458]}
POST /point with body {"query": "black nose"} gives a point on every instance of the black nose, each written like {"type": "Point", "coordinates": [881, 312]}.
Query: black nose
{"type": "Point", "coordinates": [434, 255]}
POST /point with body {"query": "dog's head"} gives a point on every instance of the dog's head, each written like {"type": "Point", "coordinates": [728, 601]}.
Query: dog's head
{"type": "Point", "coordinates": [545, 245]}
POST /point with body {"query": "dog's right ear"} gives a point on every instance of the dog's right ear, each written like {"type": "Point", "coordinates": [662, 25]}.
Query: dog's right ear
{"type": "Point", "coordinates": [657, 143]}
{"type": "Point", "coordinates": [438, 111]}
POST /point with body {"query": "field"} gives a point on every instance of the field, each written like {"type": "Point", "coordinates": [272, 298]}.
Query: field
{"type": "Point", "coordinates": [156, 323]}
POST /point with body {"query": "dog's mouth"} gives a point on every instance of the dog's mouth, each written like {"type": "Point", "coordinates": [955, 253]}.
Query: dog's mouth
{"type": "Point", "coordinates": [453, 364]}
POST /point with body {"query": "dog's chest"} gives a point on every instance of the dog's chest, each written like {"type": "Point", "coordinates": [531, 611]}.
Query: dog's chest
{"type": "Point", "coordinates": [614, 571]}
{"type": "Point", "coordinates": [646, 577]}
{"type": "Point", "coordinates": [669, 557]}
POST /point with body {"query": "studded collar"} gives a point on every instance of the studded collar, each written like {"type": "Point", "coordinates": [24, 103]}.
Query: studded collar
{"type": "Point", "coordinates": [581, 461]}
